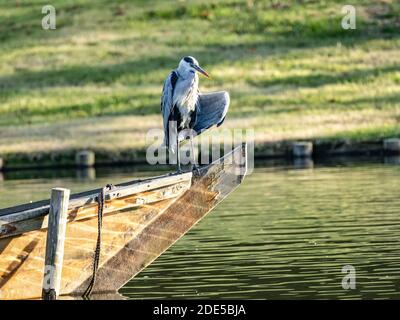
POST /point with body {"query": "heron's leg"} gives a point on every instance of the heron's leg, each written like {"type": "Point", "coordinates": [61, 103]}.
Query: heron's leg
{"type": "Point", "coordinates": [178, 154]}
{"type": "Point", "coordinates": [193, 156]}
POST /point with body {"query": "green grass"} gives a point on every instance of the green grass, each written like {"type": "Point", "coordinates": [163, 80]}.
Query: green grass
{"type": "Point", "coordinates": [291, 69]}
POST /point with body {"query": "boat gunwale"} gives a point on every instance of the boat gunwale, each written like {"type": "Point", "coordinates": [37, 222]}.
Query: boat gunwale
{"type": "Point", "coordinates": [41, 207]}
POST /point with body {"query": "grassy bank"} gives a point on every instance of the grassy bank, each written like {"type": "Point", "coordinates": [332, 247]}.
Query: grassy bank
{"type": "Point", "coordinates": [292, 71]}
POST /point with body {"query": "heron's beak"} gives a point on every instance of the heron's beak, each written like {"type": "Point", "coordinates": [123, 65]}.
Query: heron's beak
{"type": "Point", "coordinates": [201, 70]}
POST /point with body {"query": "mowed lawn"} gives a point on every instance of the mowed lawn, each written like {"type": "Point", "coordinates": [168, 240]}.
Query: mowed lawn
{"type": "Point", "coordinates": [293, 72]}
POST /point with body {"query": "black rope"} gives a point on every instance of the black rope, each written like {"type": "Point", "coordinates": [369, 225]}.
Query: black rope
{"type": "Point", "coordinates": [96, 258]}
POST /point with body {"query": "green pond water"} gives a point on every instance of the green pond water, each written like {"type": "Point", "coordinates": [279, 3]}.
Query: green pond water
{"type": "Point", "coordinates": [285, 233]}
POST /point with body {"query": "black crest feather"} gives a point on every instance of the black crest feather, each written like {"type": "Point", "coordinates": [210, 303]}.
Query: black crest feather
{"type": "Point", "coordinates": [188, 59]}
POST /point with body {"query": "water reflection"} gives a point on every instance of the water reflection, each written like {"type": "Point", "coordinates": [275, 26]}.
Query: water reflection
{"type": "Point", "coordinates": [86, 174]}
{"type": "Point", "coordinates": [392, 160]}
{"type": "Point", "coordinates": [284, 234]}
{"type": "Point", "coordinates": [303, 163]}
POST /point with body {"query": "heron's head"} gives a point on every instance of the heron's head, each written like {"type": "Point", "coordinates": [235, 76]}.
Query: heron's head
{"type": "Point", "coordinates": [190, 64]}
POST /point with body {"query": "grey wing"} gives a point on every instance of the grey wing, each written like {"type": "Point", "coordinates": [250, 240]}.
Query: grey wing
{"type": "Point", "coordinates": [211, 110]}
{"type": "Point", "coordinates": [167, 104]}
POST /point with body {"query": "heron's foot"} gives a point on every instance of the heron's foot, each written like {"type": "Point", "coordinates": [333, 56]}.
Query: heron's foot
{"type": "Point", "coordinates": [196, 169]}
{"type": "Point", "coordinates": [179, 170]}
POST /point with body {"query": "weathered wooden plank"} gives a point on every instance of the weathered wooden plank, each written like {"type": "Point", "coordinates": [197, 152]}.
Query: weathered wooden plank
{"type": "Point", "coordinates": [55, 243]}
{"type": "Point", "coordinates": [22, 258]}
{"type": "Point", "coordinates": [88, 210]}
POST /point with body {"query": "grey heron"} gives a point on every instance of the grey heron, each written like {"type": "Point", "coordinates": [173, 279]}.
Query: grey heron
{"type": "Point", "coordinates": [183, 107]}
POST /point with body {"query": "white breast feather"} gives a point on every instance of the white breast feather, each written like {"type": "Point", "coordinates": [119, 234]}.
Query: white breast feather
{"type": "Point", "coordinates": [185, 98]}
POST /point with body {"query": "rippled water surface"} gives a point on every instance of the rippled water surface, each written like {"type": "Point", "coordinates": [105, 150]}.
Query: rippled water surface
{"type": "Point", "coordinates": [285, 233]}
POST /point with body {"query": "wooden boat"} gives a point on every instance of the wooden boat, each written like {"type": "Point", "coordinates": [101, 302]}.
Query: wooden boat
{"type": "Point", "coordinates": [141, 220]}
